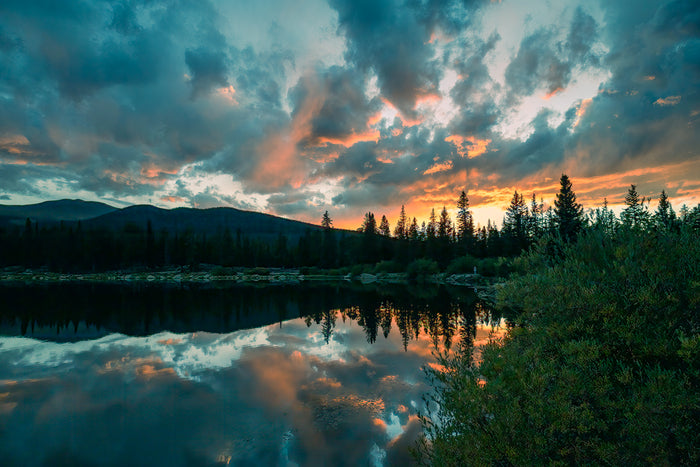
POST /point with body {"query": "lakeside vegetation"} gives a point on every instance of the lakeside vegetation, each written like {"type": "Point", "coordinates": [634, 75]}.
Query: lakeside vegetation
{"type": "Point", "coordinates": [602, 366]}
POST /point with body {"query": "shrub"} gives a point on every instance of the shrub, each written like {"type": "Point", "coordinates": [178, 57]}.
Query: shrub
{"type": "Point", "coordinates": [462, 265]}
{"type": "Point", "coordinates": [387, 267]}
{"type": "Point", "coordinates": [421, 269]}
{"type": "Point", "coordinates": [602, 369]}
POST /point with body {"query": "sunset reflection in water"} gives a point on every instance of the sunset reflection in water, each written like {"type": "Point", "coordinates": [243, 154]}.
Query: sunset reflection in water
{"type": "Point", "coordinates": [326, 389]}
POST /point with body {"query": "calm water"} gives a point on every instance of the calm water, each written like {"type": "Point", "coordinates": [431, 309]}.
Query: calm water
{"type": "Point", "coordinates": [110, 375]}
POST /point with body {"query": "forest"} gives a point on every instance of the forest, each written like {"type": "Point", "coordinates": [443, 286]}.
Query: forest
{"type": "Point", "coordinates": [438, 244]}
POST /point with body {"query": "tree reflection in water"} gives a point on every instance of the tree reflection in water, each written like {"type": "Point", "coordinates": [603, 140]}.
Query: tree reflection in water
{"type": "Point", "coordinates": [70, 312]}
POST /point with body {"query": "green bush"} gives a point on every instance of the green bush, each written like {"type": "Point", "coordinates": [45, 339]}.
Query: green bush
{"type": "Point", "coordinates": [462, 265]}
{"type": "Point", "coordinates": [357, 269]}
{"type": "Point", "coordinates": [387, 267]}
{"type": "Point", "coordinates": [603, 368]}
{"type": "Point", "coordinates": [421, 269]}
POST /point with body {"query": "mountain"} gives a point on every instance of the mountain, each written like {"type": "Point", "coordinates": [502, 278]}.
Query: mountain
{"type": "Point", "coordinates": [93, 215]}
{"type": "Point", "coordinates": [209, 221]}
{"type": "Point", "coordinates": [53, 211]}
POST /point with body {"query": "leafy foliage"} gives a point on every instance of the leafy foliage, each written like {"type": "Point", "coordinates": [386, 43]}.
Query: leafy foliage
{"type": "Point", "coordinates": [603, 368]}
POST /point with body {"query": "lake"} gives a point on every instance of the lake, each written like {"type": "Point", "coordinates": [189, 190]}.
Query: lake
{"type": "Point", "coordinates": [235, 375]}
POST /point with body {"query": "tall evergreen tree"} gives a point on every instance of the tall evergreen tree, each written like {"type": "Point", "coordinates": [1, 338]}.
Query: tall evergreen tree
{"type": "Point", "coordinates": [664, 216]}
{"type": "Point", "coordinates": [635, 214]}
{"type": "Point", "coordinates": [568, 214]}
{"type": "Point", "coordinates": [604, 219]}
{"type": "Point", "coordinates": [535, 219]}
{"type": "Point", "coordinates": [444, 227]}
{"type": "Point", "coordinates": [369, 226]}
{"type": "Point", "coordinates": [384, 227]}
{"type": "Point", "coordinates": [413, 232]}
{"type": "Point", "coordinates": [401, 230]}
{"type": "Point", "coordinates": [326, 221]}
{"type": "Point", "coordinates": [431, 228]}
{"type": "Point", "coordinates": [515, 224]}
{"type": "Point", "coordinates": [465, 221]}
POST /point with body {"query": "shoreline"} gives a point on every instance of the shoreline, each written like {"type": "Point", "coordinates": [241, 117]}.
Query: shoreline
{"type": "Point", "coordinates": [252, 275]}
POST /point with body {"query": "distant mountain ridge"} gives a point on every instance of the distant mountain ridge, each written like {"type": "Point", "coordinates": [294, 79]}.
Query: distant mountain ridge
{"type": "Point", "coordinates": [94, 215]}
{"type": "Point", "coordinates": [53, 211]}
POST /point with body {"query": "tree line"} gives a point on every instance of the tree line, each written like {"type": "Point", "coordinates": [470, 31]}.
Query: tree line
{"type": "Point", "coordinates": [439, 242]}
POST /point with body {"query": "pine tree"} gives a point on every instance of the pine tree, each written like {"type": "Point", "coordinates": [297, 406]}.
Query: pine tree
{"type": "Point", "coordinates": [413, 232]}
{"type": "Point", "coordinates": [384, 227]}
{"type": "Point", "coordinates": [465, 221]}
{"type": "Point", "coordinates": [635, 214]}
{"type": "Point", "coordinates": [535, 219]}
{"type": "Point", "coordinates": [401, 230]}
{"type": "Point", "coordinates": [431, 228]}
{"type": "Point", "coordinates": [515, 224]}
{"type": "Point", "coordinates": [444, 228]}
{"type": "Point", "coordinates": [568, 214]}
{"type": "Point", "coordinates": [369, 226]}
{"type": "Point", "coordinates": [664, 215]}
{"type": "Point", "coordinates": [326, 221]}
{"type": "Point", "coordinates": [604, 219]}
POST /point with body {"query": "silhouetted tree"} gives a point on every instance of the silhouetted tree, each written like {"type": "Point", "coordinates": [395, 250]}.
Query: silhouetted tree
{"type": "Point", "coordinates": [515, 224]}
{"type": "Point", "coordinates": [568, 214]}
{"type": "Point", "coordinates": [413, 232]}
{"type": "Point", "coordinates": [635, 214]}
{"type": "Point", "coordinates": [326, 221]}
{"type": "Point", "coordinates": [604, 219]}
{"type": "Point", "coordinates": [465, 221]}
{"type": "Point", "coordinates": [401, 230]}
{"type": "Point", "coordinates": [431, 228]}
{"type": "Point", "coordinates": [664, 216]}
{"type": "Point", "coordinates": [384, 229]}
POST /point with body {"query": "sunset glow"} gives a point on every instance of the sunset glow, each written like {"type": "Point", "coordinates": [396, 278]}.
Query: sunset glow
{"type": "Point", "coordinates": [354, 111]}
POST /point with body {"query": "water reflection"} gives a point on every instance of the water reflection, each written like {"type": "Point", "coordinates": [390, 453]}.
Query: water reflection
{"type": "Point", "coordinates": [275, 376]}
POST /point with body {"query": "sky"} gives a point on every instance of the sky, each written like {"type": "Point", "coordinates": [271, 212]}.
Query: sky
{"type": "Point", "coordinates": [349, 106]}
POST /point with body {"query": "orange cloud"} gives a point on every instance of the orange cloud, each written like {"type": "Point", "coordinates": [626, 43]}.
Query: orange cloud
{"type": "Point", "coordinates": [172, 199]}
{"type": "Point", "coordinates": [156, 172]}
{"type": "Point", "coordinates": [666, 101]}
{"type": "Point", "coordinates": [228, 94]}
{"type": "Point", "coordinates": [474, 148]}
{"type": "Point", "coordinates": [552, 93]}
{"type": "Point", "coordinates": [428, 99]}
{"type": "Point", "coordinates": [379, 423]}
{"type": "Point", "coordinates": [279, 158]}
{"type": "Point", "coordinates": [352, 139]}
{"type": "Point", "coordinates": [581, 110]}
{"type": "Point", "coordinates": [374, 119]}
{"type": "Point", "coordinates": [442, 167]}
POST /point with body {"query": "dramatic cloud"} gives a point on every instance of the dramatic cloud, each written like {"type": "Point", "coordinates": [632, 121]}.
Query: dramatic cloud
{"type": "Point", "coordinates": [342, 105]}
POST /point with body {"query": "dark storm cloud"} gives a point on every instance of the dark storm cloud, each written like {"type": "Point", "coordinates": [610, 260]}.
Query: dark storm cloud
{"type": "Point", "coordinates": [543, 62]}
{"type": "Point", "coordinates": [469, 62]}
{"type": "Point", "coordinates": [260, 75]}
{"type": "Point", "coordinates": [644, 114]}
{"type": "Point", "coordinates": [582, 35]}
{"type": "Point", "coordinates": [537, 65]}
{"type": "Point", "coordinates": [345, 108]}
{"type": "Point", "coordinates": [104, 91]}
{"type": "Point", "coordinates": [393, 40]}
{"type": "Point", "coordinates": [208, 70]}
